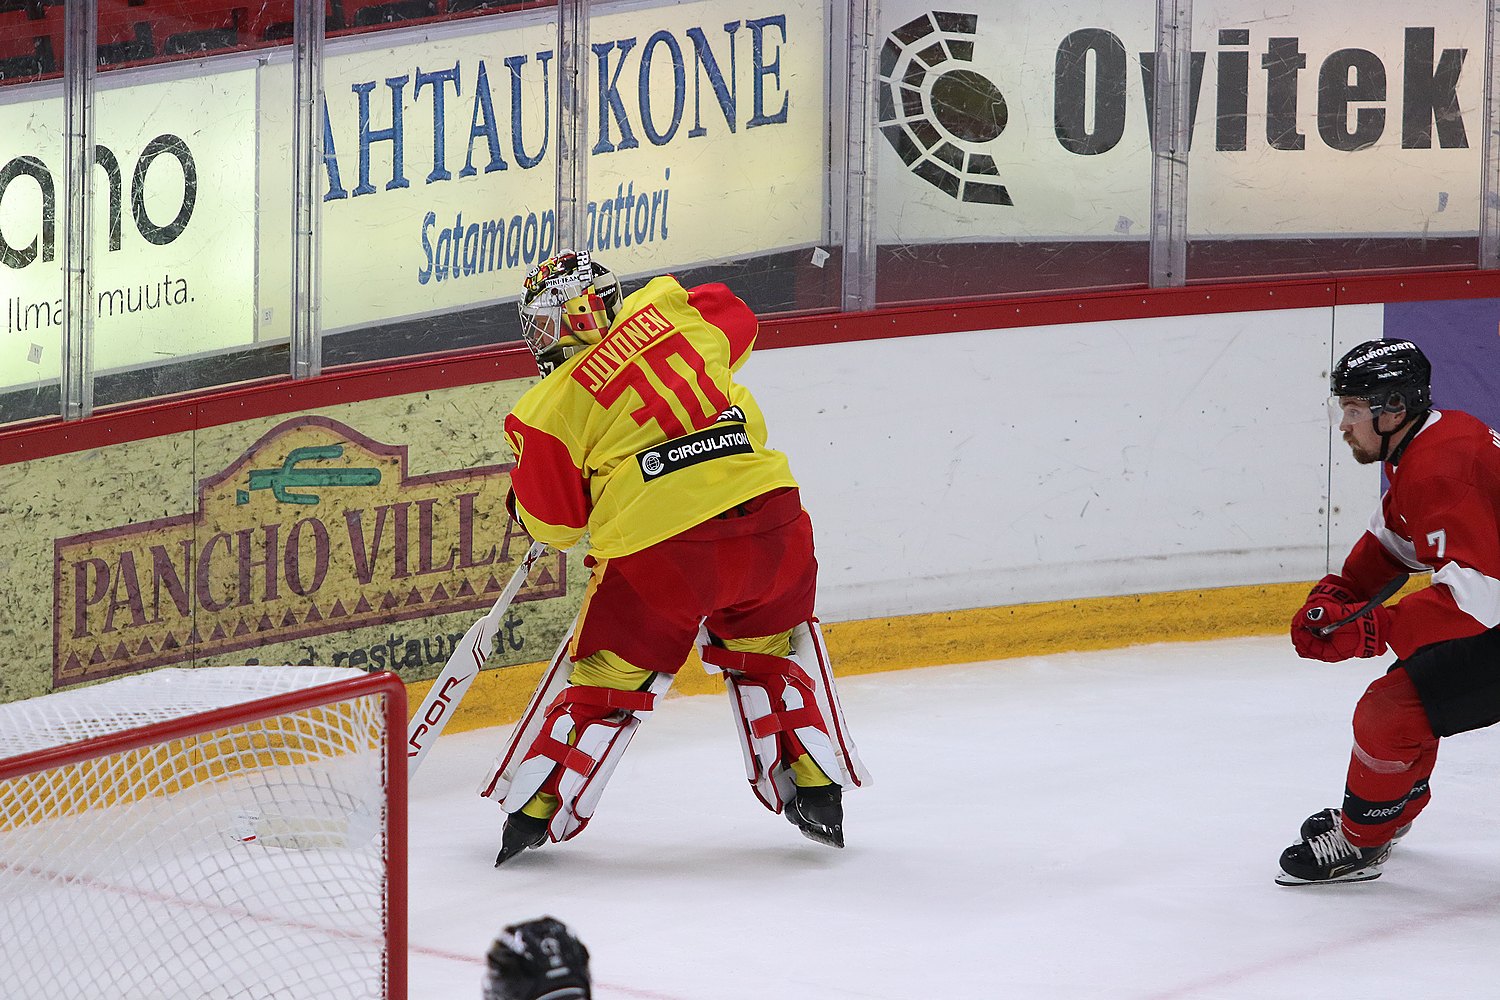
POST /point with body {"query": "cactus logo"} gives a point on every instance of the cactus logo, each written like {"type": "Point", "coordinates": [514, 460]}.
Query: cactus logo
{"type": "Point", "coordinates": [938, 113]}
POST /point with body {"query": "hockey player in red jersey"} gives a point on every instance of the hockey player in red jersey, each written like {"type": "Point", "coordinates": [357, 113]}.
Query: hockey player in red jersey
{"type": "Point", "coordinates": [1441, 512]}
{"type": "Point", "coordinates": [639, 435]}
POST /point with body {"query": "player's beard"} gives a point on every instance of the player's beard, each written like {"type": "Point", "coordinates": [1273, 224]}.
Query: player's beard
{"type": "Point", "coordinates": [1361, 455]}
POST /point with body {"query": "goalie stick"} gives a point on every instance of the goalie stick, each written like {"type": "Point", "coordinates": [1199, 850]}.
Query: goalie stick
{"type": "Point", "coordinates": [1385, 594]}
{"type": "Point", "coordinates": [462, 667]}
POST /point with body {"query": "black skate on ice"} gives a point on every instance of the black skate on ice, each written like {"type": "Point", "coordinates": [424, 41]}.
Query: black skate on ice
{"type": "Point", "coordinates": [521, 832]}
{"type": "Point", "coordinates": [1328, 819]}
{"type": "Point", "coordinates": [819, 813]}
{"type": "Point", "coordinates": [1329, 857]}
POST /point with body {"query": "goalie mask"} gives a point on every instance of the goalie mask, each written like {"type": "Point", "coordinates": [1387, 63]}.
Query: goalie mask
{"type": "Point", "coordinates": [567, 304]}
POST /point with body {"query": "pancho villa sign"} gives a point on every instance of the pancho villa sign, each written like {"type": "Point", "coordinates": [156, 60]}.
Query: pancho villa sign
{"type": "Point", "coordinates": [316, 529]}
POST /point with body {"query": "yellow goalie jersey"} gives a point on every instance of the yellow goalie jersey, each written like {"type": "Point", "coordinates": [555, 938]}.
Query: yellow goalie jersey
{"type": "Point", "coordinates": [646, 433]}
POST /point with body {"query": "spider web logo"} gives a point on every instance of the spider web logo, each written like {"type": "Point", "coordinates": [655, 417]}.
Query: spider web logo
{"type": "Point", "coordinates": [938, 115]}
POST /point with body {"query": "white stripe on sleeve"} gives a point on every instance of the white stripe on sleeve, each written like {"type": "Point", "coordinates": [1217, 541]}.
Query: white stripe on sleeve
{"type": "Point", "coordinates": [1402, 549]}
{"type": "Point", "coordinates": [1476, 595]}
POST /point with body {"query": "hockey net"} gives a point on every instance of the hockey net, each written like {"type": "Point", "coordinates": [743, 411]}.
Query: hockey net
{"type": "Point", "coordinates": [213, 833]}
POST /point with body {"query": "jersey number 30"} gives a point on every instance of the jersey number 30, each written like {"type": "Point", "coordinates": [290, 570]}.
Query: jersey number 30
{"type": "Point", "coordinates": [657, 381]}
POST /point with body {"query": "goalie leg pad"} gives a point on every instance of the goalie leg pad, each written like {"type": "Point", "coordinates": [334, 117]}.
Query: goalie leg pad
{"type": "Point", "coordinates": [781, 710]}
{"type": "Point", "coordinates": [766, 767]}
{"type": "Point", "coordinates": [810, 653]}
{"type": "Point", "coordinates": [576, 750]}
{"type": "Point", "coordinates": [496, 784]}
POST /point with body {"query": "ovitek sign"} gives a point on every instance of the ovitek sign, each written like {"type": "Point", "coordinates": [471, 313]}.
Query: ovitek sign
{"type": "Point", "coordinates": [1036, 121]}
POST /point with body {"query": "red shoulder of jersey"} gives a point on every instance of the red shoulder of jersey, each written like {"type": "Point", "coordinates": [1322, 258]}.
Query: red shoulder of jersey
{"type": "Point", "coordinates": [548, 484]}
{"type": "Point", "coordinates": [1445, 494]}
{"type": "Point", "coordinates": [727, 311]}
{"type": "Point", "coordinates": [1448, 448]}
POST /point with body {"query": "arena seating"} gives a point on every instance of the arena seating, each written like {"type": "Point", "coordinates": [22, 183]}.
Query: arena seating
{"type": "Point", "coordinates": [272, 20]}
{"type": "Point", "coordinates": [27, 49]}
{"type": "Point", "coordinates": [133, 32]}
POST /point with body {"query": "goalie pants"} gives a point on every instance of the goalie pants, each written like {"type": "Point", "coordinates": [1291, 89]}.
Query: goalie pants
{"type": "Point", "coordinates": [750, 572]}
{"type": "Point", "coordinates": [1440, 690]}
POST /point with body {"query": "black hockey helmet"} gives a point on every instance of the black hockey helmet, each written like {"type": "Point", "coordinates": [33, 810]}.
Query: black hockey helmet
{"type": "Point", "coordinates": [1392, 375]}
{"type": "Point", "coordinates": [537, 960]}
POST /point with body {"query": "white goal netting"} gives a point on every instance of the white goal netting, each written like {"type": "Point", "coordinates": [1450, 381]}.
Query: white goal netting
{"type": "Point", "coordinates": [211, 833]}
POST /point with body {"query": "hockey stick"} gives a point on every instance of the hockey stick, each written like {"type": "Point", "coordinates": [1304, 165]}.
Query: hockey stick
{"type": "Point", "coordinates": [1385, 593]}
{"type": "Point", "coordinates": [462, 667]}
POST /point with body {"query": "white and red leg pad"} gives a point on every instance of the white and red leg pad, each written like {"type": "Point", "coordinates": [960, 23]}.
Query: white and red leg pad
{"type": "Point", "coordinates": [496, 784]}
{"type": "Point", "coordinates": [810, 652]}
{"type": "Point", "coordinates": [603, 721]}
{"type": "Point", "coordinates": [783, 707]}
{"type": "Point", "coordinates": [575, 749]}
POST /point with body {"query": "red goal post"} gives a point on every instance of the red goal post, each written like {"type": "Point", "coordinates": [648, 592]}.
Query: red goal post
{"type": "Point", "coordinates": [209, 832]}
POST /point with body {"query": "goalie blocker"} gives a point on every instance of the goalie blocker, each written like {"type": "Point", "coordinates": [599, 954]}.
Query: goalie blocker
{"type": "Point", "coordinates": [782, 707]}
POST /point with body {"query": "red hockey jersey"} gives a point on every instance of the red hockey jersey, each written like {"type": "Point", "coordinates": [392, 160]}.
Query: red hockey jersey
{"type": "Point", "coordinates": [1441, 512]}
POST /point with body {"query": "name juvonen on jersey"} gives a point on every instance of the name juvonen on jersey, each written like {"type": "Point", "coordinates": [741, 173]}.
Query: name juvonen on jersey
{"type": "Point", "coordinates": [627, 338]}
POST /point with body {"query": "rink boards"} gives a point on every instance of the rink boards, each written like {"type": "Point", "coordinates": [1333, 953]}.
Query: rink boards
{"type": "Point", "coordinates": [984, 481]}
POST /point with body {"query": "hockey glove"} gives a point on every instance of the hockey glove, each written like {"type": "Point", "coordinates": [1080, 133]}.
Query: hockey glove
{"type": "Point", "coordinates": [1331, 588]}
{"type": "Point", "coordinates": [1364, 636]}
{"type": "Point", "coordinates": [537, 960]}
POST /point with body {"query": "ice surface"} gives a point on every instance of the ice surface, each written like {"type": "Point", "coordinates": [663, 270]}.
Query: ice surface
{"type": "Point", "coordinates": [1099, 825]}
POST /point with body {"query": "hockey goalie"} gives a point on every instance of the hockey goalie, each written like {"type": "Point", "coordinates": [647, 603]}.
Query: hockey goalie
{"type": "Point", "coordinates": [639, 435]}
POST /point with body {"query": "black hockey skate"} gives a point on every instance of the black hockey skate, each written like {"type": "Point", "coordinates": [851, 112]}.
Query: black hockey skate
{"type": "Point", "coordinates": [1329, 857]}
{"type": "Point", "coordinates": [819, 813]}
{"type": "Point", "coordinates": [521, 832]}
{"type": "Point", "coordinates": [1328, 819]}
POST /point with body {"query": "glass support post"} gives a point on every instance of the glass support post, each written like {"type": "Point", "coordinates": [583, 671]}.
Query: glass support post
{"type": "Point", "coordinates": [1169, 146]}
{"type": "Point", "coordinates": [1489, 166]}
{"type": "Point", "coordinates": [857, 176]}
{"type": "Point", "coordinates": [308, 32]}
{"type": "Point", "coordinates": [572, 125]}
{"type": "Point", "coordinates": [80, 30]}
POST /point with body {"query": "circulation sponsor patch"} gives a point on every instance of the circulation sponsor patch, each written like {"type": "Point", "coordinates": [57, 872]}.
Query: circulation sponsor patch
{"type": "Point", "coordinates": [723, 438]}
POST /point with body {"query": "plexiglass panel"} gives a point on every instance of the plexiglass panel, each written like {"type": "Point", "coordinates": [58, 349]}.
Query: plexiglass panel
{"type": "Point", "coordinates": [1013, 148]}
{"type": "Point", "coordinates": [707, 147]}
{"type": "Point", "coordinates": [1334, 137]}
{"type": "Point", "coordinates": [1009, 145]}
{"type": "Point", "coordinates": [181, 199]}
{"type": "Point", "coordinates": [176, 264]}
{"type": "Point", "coordinates": [438, 187]}
{"type": "Point", "coordinates": [31, 188]}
